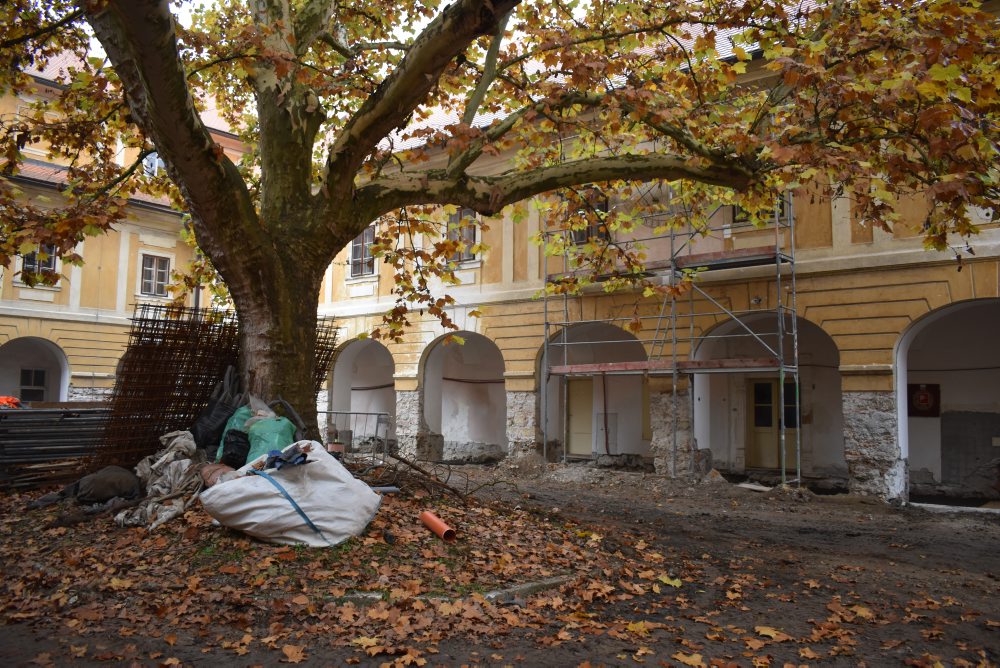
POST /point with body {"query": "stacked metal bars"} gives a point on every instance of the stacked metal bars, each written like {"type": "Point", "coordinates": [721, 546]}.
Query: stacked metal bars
{"type": "Point", "coordinates": [44, 446]}
{"type": "Point", "coordinates": [175, 357]}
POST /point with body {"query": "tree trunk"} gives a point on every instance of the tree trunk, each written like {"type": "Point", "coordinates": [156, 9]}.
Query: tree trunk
{"type": "Point", "coordinates": [278, 338]}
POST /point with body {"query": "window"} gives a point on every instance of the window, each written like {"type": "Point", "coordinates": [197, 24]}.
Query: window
{"type": "Point", "coordinates": [593, 208]}
{"type": "Point", "coordinates": [153, 164]}
{"type": "Point", "coordinates": [362, 262]}
{"type": "Point", "coordinates": [35, 263]}
{"type": "Point", "coordinates": [32, 385]}
{"type": "Point", "coordinates": [462, 228]}
{"type": "Point", "coordinates": [155, 275]}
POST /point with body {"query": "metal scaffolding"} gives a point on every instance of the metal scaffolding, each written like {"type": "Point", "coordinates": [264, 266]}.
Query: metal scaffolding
{"type": "Point", "coordinates": [671, 335]}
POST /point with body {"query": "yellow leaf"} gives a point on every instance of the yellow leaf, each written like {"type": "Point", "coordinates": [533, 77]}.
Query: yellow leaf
{"type": "Point", "coordinates": [365, 642]}
{"type": "Point", "coordinates": [862, 612]}
{"type": "Point", "coordinates": [772, 633]}
{"type": "Point", "coordinates": [119, 584]}
{"type": "Point", "coordinates": [667, 580]}
{"type": "Point", "coordinates": [807, 653]}
{"type": "Point", "coordinates": [688, 659]}
{"type": "Point", "coordinates": [638, 628]}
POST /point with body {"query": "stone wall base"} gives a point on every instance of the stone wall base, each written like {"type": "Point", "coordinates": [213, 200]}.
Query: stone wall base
{"type": "Point", "coordinates": [667, 460]}
{"type": "Point", "coordinates": [874, 463]}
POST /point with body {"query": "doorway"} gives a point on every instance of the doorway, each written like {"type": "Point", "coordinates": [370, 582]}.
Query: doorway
{"type": "Point", "coordinates": [581, 417]}
{"type": "Point", "coordinates": [766, 417]}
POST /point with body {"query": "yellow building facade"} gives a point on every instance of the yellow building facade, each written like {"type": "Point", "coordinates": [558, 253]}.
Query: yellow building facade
{"type": "Point", "coordinates": [897, 378]}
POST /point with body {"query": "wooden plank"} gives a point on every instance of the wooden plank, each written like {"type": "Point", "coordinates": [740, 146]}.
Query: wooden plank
{"type": "Point", "coordinates": [659, 365]}
{"type": "Point", "coordinates": [603, 367]}
{"type": "Point", "coordinates": [716, 257]}
{"type": "Point", "coordinates": [733, 363]}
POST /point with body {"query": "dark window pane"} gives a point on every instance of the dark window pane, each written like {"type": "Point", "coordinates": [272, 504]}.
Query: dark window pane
{"type": "Point", "coordinates": [32, 395]}
{"type": "Point", "coordinates": [791, 417]}
{"type": "Point", "coordinates": [762, 393]}
{"type": "Point", "coordinates": [762, 416]}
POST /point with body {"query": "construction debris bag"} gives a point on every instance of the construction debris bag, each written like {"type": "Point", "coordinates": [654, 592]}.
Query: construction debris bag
{"type": "Point", "coordinates": [319, 503]}
{"type": "Point", "coordinates": [237, 421]}
{"type": "Point", "coordinates": [269, 434]}
{"type": "Point", "coordinates": [208, 427]}
{"type": "Point", "coordinates": [234, 449]}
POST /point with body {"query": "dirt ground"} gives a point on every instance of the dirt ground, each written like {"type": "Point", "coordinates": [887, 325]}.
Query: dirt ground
{"type": "Point", "coordinates": [651, 571]}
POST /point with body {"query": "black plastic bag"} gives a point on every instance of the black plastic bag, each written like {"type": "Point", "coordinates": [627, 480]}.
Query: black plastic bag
{"type": "Point", "coordinates": [208, 427]}
{"type": "Point", "coordinates": [235, 449]}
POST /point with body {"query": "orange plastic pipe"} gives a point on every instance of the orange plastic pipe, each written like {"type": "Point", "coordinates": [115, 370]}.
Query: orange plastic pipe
{"type": "Point", "coordinates": [435, 524]}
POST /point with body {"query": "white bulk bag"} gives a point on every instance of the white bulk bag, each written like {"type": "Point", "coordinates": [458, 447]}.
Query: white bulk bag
{"type": "Point", "coordinates": [337, 504]}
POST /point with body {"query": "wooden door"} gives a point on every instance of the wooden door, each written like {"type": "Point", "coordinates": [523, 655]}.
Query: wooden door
{"type": "Point", "coordinates": [764, 417]}
{"type": "Point", "coordinates": [581, 417]}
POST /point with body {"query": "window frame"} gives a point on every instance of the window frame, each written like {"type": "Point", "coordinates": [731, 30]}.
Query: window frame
{"type": "Point", "coordinates": [459, 230]}
{"type": "Point", "coordinates": [142, 280]}
{"type": "Point", "coordinates": [361, 263]}
{"type": "Point", "coordinates": [32, 386]}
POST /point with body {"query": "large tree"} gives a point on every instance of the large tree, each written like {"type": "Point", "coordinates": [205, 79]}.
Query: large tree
{"type": "Point", "coordinates": [336, 101]}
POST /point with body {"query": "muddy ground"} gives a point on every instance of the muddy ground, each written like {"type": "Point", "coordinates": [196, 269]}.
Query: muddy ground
{"type": "Point", "coordinates": [667, 573]}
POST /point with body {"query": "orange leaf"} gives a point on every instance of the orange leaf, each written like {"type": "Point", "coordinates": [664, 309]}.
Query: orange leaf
{"type": "Point", "coordinates": [688, 659]}
{"type": "Point", "coordinates": [294, 653]}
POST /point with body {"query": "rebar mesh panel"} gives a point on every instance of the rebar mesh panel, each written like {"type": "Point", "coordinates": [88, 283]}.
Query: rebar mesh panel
{"type": "Point", "coordinates": [175, 357]}
{"type": "Point", "coordinates": [326, 348]}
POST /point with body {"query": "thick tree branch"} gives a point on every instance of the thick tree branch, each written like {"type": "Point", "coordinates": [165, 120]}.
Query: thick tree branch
{"type": "Point", "coordinates": [489, 194]}
{"type": "Point", "coordinates": [489, 74]}
{"type": "Point", "coordinates": [310, 22]}
{"type": "Point", "coordinates": [139, 38]}
{"type": "Point", "coordinates": [408, 85]}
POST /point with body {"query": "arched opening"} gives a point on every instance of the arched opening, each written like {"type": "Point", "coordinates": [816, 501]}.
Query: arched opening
{"type": "Point", "coordinates": [33, 370]}
{"type": "Point", "coordinates": [361, 392]}
{"type": "Point", "coordinates": [738, 415]}
{"type": "Point", "coordinates": [948, 400]}
{"type": "Point", "coordinates": [587, 416]}
{"type": "Point", "coordinates": [465, 399]}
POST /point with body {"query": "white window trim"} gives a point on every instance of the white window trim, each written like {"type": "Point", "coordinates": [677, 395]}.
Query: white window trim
{"type": "Point", "coordinates": [139, 294]}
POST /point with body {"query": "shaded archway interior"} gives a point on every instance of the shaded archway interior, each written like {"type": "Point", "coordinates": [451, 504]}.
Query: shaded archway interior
{"type": "Point", "coordinates": [738, 415]}
{"type": "Point", "coordinates": [363, 387]}
{"type": "Point", "coordinates": [465, 399]}
{"type": "Point", "coordinates": [589, 416]}
{"type": "Point", "coordinates": [949, 376]}
{"type": "Point", "coordinates": [33, 369]}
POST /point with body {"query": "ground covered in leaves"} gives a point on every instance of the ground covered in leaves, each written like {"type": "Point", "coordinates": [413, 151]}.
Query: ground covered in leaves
{"type": "Point", "coordinates": [569, 566]}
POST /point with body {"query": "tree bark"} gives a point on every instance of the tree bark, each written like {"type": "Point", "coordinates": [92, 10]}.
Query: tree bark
{"type": "Point", "coordinates": [277, 321]}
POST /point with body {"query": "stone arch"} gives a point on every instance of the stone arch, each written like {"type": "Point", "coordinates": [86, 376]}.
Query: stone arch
{"type": "Point", "coordinates": [736, 415]}
{"type": "Point", "coordinates": [361, 389]}
{"type": "Point", "coordinates": [464, 398]}
{"type": "Point", "coordinates": [601, 414]}
{"type": "Point", "coordinates": [947, 369]}
{"type": "Point", "coordinates": [35, 367]}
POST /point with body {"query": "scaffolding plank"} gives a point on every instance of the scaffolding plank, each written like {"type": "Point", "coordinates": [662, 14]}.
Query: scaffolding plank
{"type": "Point", "coordinates": [604, 367]}
{"type": "Point", "coordinates": [731, 259]}
{"type": "Point", "coordinates": [731, 363]}
{"type": "Point", "coordinates": [739, 363]}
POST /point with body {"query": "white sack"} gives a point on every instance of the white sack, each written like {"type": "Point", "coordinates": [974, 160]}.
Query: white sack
{"type": "Point", "coordinates": [337, 503]}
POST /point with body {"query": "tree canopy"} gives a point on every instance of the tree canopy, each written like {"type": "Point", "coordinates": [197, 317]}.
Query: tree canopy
{"type": "Point", "coordinates": [386, 111]}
